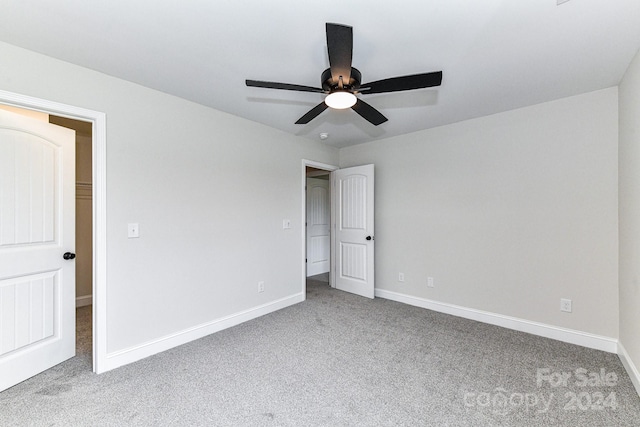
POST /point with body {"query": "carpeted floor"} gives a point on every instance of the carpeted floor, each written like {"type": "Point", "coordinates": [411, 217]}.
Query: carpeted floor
{"type": "Point", "coordinates": [338, 360]}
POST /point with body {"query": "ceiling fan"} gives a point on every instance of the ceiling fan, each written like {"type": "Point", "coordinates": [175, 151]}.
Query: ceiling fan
{"type": "Point", "coordinates": [342, 82]}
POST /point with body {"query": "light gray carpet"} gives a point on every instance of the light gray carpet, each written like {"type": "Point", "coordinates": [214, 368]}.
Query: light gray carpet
{"type": "Point", "coordinates": [337, 360]}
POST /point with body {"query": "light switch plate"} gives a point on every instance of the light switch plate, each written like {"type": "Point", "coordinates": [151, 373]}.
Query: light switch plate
{"type": "Point", "coordinates": [133, 230]}
{"type": "Point", "coordinates": [286, 224]}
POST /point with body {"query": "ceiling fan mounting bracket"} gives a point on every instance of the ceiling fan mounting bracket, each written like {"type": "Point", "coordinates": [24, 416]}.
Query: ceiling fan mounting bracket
{"type": "Point", "coordinates": [330, 85]}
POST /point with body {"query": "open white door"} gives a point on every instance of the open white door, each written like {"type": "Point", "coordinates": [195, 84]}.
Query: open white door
{"type": "Point", "coordinates": [318, 218]}
{"type": "Point", "coordinates": [353, 219]}
{"type": "Point", "coordinates": [37, 227]}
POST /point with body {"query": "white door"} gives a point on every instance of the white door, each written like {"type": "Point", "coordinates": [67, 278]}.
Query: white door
{"type": "Point", "coordinates": [354, 239]}
{"type": "Point", "coordinates": [37, 227]}
{"type": "Point", "coordinates": [318, 219]}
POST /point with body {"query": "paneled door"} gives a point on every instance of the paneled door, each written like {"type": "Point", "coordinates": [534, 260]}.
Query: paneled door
{"type": "Point", "coordinates": [318, 219]}
{"type": "Point", "coordinates": [354, 239]}
{"type": "Point", "coordinates": [37, 239]}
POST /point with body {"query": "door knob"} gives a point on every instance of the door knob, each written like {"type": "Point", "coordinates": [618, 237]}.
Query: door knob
{"type": "Point", "coordinates": [369, 238]}
{"type": "Point", "coordinates": [68, 255]}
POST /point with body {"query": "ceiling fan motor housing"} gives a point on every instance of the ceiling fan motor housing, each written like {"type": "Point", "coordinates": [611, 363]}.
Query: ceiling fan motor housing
{"type": "Point", "coordinates": [330, 85]}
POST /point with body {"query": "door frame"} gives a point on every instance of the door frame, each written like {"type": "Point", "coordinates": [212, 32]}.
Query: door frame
{"type": "Point", "coordinates": [99, 211]}
{"type": "Point", "coordinates": [303, 233]}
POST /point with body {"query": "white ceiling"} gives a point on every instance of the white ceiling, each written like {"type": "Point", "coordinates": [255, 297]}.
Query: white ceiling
{"type": "Point", "coordinates": [496, 55]}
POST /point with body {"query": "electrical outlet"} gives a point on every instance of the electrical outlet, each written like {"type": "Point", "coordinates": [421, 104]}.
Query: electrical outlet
{"type": "Point", "coordinates": [260, 286]}
{"type": "Point", "coordinates": [400, 277]}
{"type": "Point", "coordinates": [565, 305]}
{"type": "Point", "coordinates": [429, 282]}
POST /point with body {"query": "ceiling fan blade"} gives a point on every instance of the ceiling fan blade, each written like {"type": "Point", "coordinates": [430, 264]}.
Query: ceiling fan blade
{"type": "Point", "coordinates": [285, 86]}
{"type": "Point", "coordinates": [312, 114]}
{"type": "Point", "coordinates": [369, 113]}
{"type": "Point", "coordinates": [340, 49]}
{"type": "Point", "coordinates": [396, 84]}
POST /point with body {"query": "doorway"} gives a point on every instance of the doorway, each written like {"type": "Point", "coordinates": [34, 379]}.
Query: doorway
{"type": "Point", "coordinates": [351, 227]}
{"type": "Point", "coordinates": [97, 121]}
{"type": "Point", "coordinates": [317, 227]}
{"type": "Point", "coordinates": [318, 222]}
{"type": "Point", "coordinates": [317, 239]}
{"type": "Point", "coordinates": [84, 232]}
{"type": "Point", "coordinates": [81, 246]}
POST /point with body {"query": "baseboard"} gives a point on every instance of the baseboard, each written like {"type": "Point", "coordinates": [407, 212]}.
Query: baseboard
{"type": "Point", "coordinates": [630, 367]}
{"type": "Point", "coordinates": [571, 336]}
{"type": "Point", "coordinates": [133, 354]}
{"type": "Point", "coordinates": [84, 300]}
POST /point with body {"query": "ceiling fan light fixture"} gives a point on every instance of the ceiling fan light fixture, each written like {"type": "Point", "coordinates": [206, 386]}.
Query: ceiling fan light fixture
{"type": "Point", "coordinates": [340, 100]}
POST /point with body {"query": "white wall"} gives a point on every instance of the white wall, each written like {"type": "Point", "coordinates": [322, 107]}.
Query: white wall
{"type": "Point", "coordinates": [209, 191]}
{"type": "Point", "coordinates": [629, 176]}
{"type": "Point", "coordinates": [509, 213]}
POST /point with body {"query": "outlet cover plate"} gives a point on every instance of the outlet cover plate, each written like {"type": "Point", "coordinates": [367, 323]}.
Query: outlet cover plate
{"type": "Point", "coordinates": [565, 305]}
